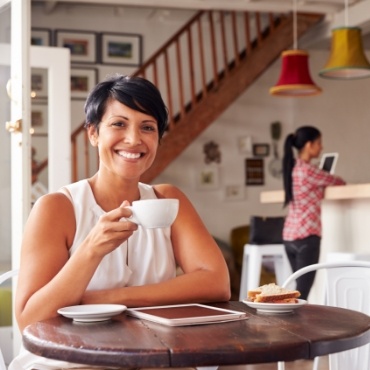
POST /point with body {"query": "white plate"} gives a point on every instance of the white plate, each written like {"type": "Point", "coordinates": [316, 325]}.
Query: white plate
{"type": "Point", "coordinates": [275, 307]}
{"type": "Point", "coordinates": [92, 312]}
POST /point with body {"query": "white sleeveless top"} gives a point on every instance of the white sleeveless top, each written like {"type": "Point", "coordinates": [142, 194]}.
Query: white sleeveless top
{"type": "Point", "coordinates": [150, 259]}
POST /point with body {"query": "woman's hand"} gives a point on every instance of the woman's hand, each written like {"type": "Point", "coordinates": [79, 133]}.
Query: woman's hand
{"type": "Point", "coordinates": [112, 229]}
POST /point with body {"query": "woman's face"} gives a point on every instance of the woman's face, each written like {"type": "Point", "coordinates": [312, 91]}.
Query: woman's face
{"type": "Point", "coordinates": [316, 147]}
{"type": "Point", "coordinates": [127, 140]}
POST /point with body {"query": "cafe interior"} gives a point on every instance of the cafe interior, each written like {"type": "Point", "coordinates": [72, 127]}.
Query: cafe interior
{"type": "Point", "coordinates": [244, 73]}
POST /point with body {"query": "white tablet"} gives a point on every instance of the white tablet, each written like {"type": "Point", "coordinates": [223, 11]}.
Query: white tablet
{"type": "Point", "coordinates": [328, 162]}
{"type": "Point", "coordinates": [186, 314]}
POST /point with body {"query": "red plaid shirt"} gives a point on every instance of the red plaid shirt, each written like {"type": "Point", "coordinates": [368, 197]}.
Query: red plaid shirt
{"type": "Point", "coordinates": [304, 212]}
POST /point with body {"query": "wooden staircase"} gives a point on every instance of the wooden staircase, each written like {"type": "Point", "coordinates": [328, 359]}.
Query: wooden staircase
{"type": "Point", "coordinates": [200, 71]}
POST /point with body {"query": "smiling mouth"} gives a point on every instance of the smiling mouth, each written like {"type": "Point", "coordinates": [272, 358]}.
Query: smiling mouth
{"type": "Point", "coordinates": [130, 155]}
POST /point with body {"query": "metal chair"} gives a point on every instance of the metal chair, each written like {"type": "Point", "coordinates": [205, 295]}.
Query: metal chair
{"type": "Point", "coordinates": [347, 286]}
{"type": "Point", "coordinates": [3, 277]}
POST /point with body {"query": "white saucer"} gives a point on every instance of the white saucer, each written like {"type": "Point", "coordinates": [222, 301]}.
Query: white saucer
{"type": "Point", "coordinates": [92, 312]}
{"type": "Point", "coordinates": [275, 308]}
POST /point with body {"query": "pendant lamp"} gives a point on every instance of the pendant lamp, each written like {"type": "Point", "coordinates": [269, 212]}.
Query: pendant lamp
{"type": "Point", "coordinates": [295, 79]}
{"type": "Point", "coordinates": [347, 58]}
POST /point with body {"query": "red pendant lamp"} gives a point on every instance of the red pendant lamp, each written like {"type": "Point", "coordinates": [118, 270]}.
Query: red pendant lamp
{"type": "Point", "coordinates": [295, 79]}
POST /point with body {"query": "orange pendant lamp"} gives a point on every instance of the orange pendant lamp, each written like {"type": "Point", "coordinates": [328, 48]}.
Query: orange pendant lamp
{"type": "Point", "coordinates": [295, 79]}
{"type": "Point", "coordinates": [347, 58]}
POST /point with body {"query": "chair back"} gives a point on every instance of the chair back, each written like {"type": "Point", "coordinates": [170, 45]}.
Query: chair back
{"type": "Point", "coordinates": [4, 277]}
{"type": "Point", "coordinates": [347, 286]}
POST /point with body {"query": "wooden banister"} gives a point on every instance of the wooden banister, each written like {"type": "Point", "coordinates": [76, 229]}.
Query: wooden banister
{"type": "Point", "coordinates": [191, 65]}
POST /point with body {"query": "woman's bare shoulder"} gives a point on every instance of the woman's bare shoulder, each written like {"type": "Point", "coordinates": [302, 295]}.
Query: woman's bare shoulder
{"type": "Point", "coordinates": [167, 191]}
{"type": "Point", "coordinates": [53, 205]}
{"type": "Point", "coordinates": [52, 200]}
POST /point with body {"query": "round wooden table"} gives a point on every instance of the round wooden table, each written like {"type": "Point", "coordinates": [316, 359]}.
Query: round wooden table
{"type": "Point", "coordinates": [125, 341]}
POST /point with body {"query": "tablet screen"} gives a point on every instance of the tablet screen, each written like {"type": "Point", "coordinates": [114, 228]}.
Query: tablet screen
{"type": "Point", "coordinates": [328, 162]}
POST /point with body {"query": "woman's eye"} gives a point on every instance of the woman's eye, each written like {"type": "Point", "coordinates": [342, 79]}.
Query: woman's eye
{"type": "Point", "coordinates": [149, 128]}
{"type": "Point", "coordinates": [118, 124]}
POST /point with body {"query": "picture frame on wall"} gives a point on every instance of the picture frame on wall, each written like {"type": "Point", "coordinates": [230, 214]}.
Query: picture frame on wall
{"type": "Point", "coordinates": [245, 144]}
{"type": "Point", "coordinates": [254, 171]}
{"type": "Point", "coordinates": [82, 44]}
{"type": "Point", "coordinates": [82, 81]}
{"type": "Point", "coordinates": [234, 192]}
{"type": "Point", "coordinates": [261, 150]}
{"type": "Point", "coordinates": [121, 49]}
{"type": "Point", "coordinates": [207, 178]}
{"type": "Point", "coordinates": [39, 119]}
{"type": "Point", "coordinates": [39, 83]}
{"type": "Point", "coordinates": [40, 36]}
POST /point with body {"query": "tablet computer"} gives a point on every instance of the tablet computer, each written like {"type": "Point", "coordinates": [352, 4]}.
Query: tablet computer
{"type": "Point", "coordinates": [328, 162]}
{"type": "Point", "coordinates": [186, 314]}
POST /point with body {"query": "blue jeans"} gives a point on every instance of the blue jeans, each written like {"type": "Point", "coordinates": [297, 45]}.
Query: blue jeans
{"type": "Point", "coordinates": [301, 253]}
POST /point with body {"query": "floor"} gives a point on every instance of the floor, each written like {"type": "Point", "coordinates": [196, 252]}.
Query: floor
{"type": "Point", "coordinates": [295, 365]}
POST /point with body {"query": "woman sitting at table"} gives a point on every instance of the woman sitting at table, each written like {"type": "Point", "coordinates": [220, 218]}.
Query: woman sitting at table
{"type": "Point", "coordinates": [77, 249]}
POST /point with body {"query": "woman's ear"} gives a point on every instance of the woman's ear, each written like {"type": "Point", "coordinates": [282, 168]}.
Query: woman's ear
{"type": "Point", "coordinates": [92, 132]}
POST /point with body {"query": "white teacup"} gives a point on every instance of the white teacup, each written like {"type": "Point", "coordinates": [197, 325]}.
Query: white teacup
{"type": "Point", "coordinates": [154, 213]}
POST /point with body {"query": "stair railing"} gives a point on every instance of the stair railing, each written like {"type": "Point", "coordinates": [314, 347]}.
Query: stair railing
{"type": "Point", "coordinates": [190, 65]}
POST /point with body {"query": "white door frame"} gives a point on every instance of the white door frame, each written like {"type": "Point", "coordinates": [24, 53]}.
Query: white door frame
{"type": "Point", "coordinates": [57, 62]}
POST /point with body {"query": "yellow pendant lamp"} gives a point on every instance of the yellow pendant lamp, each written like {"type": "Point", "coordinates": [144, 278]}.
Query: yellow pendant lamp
{"type": "Point", "coordinates": [295, 79]}
{"type": "Point", "coordinates": [347, 58]}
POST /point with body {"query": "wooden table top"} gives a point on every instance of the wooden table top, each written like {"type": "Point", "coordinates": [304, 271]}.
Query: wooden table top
{"type": "Point", "coordinates": [125, 341]}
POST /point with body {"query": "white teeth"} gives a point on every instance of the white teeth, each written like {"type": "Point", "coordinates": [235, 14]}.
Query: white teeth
{"type": "Point", "coordinates": [129, 155]}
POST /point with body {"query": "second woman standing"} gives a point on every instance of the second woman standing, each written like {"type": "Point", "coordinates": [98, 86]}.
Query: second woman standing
{"type": "Point", "coordinates": [304, 186]}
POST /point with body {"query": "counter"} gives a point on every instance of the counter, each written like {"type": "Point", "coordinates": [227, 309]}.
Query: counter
{"type": "Point", "coordinates": [345, 216]}
{"type": "Point", "coordinates": [343, 192]}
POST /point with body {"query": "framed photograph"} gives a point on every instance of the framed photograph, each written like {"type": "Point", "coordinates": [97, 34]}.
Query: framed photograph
{"type": "Point", "coordinates": [82, 45]}
{"type": "Point", "coordinates": [39, 83]}
{"type": "Point", "coordinates": [245, 144]}
{"type": "Point", "coordinates": [82, 81]}
{"type": "Point", "coordinates": [40, 37]}
{"type": "Point", "coordinates": [121, 49]}
{"type": "Point", "coordinates": [261, 150]}
{"type": "Point", "coordinates": [234, 192]}
{"type": "Point", "coordinates": [254, 173]}
{"type": "Point", "coordinates": [39, 118]}
{"type": "Point", "coordinates": [207, 178]}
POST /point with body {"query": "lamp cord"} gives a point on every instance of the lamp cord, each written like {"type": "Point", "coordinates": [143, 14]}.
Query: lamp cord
{"type": "Point", "coordinates": [346, 13]}
{"type": "Point", "coordinates": [295, 46]}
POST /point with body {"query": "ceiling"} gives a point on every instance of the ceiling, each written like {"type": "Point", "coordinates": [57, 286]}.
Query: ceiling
{"type": "Point", "coordinates": [329, 7]}
{"type": "Point", "coordinates": [338, 12]}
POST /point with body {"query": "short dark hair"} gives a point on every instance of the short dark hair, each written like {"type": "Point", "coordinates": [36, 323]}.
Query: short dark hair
{"type": "Point", "coordinates": [135, 92]}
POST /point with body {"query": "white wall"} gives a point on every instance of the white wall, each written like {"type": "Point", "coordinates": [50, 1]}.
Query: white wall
{"type": "Point", "coordinates": [341, 113]}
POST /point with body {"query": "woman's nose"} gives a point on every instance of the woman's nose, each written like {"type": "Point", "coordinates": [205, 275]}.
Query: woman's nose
{"type": "Point", "coordinates": [133, 136]}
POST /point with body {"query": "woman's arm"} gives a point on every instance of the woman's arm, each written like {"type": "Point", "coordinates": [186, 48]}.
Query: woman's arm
{"type": "Point", "coordinates": [205, 277]}
{"type": "Point", "coordinates": [323, 178]}
{"type": "Point", "coordinates": [49, 279]}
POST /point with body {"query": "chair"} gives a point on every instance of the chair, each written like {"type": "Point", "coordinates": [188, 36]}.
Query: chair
{"type": "Point", "coordinates": [253, 257]}
{"type": "Point", "coordinates": [347, 286]}
{"type": "Point", "coordinates": [3, 277]}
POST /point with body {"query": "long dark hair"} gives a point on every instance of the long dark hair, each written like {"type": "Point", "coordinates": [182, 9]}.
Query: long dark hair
{"type": "Point", "coordinates": [297, 140]}
{"type": "Point", "coordinates": [135, 92]}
